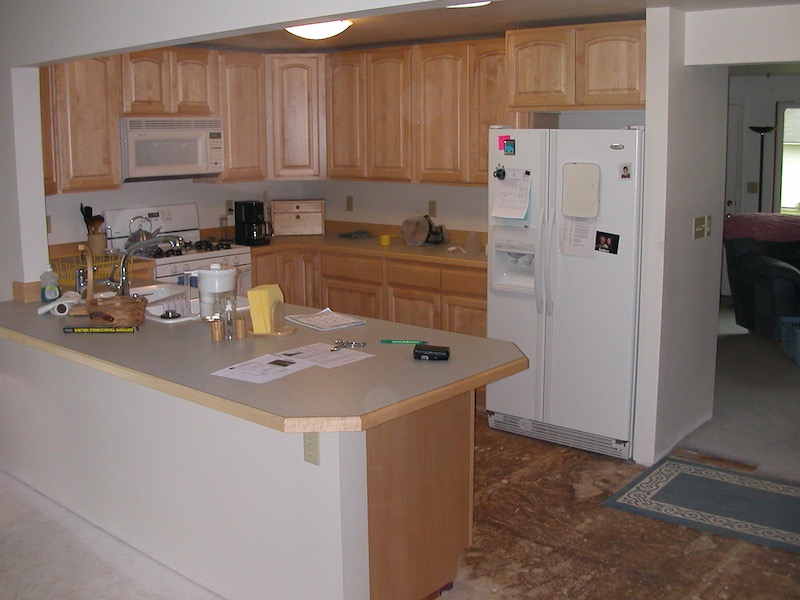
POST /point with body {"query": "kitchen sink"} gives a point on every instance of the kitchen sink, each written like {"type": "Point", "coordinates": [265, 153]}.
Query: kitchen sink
{"type": "Point", "coordinates": [156, 308]}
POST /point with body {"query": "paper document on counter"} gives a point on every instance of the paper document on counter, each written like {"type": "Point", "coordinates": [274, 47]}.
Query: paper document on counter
{"type": "Point", "coordinates": [274, 366]}
{"type": "Point", "coordinates": [326, 320]}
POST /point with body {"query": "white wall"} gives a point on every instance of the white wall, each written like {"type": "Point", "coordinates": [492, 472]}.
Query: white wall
{"type": "Point", "coordinates": [686, 128]}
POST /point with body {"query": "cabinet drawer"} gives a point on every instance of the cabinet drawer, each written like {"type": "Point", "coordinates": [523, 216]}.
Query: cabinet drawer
{"type": "Point", "coordinates": [347, 266]}
{"type": "Point", "coordinates": [307, 223]}
{"type": "Point", "coordinates": [413, 275]}
{"type": "Point", "coordinates": [464, 281]}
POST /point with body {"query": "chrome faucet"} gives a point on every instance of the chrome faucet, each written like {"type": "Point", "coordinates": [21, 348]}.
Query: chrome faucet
{"type": "Point", "coordinates": [124, 286]}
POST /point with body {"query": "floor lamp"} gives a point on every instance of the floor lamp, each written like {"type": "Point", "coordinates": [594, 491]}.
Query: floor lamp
{"type": "Point", "coordinates": [761, 131]}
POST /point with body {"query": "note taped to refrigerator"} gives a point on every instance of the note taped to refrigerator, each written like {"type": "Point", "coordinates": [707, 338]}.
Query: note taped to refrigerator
{"type": "Point", "coordinates": [578, 236]}
{"type": "Point", "coordinates": [512, 195]}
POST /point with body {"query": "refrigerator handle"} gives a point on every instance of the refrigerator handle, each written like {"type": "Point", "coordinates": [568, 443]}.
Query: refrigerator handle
{"type": "Point", "coordinates": [548, 259]}
{"type": "Point", "coordinates": [538, 263]}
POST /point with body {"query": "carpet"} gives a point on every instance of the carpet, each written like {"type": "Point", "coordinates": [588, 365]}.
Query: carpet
{"type": "Point", "coordinates": [718, 500]}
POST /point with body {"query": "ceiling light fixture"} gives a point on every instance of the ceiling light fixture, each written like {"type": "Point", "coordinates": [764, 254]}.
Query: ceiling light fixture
{"type": "Point", "coordinates": [319, 31]}
{"type": "Point", "coordinates": [468, 5]}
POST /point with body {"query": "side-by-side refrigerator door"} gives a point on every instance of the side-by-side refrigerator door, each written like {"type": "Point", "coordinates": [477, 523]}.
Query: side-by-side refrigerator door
{"type": "Point", "coordinates": [593, 280]}
{"type": "Point", "coordinates": [517, 204]}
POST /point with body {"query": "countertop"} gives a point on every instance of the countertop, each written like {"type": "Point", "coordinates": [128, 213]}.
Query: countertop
{"type": "Point", "coordinates": [371, 247]}
{"type": "Point", "coordinates": [179, 358]}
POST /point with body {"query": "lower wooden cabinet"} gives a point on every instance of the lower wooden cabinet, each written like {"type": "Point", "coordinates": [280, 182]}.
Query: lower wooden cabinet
{"type": "Point", "coordinates": [404, 291]}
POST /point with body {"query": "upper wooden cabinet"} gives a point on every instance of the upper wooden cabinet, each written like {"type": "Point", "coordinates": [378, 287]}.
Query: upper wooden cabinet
{"type": "Point", "coordinates": [388, 96]}
{"type": "Point", "coordinates": [84, 129]}
{"type": "Point", "coordinates": [170, 81]}
{"type": "Point", "coordinates": [488, 104]}
{"type": "Point", "coordinates": [589, 66]}
{"type": "Point", "coordinates": [458, 90]}
{"type": "Point", "coordinates": [610, 64]}
{"type": "Point", "coordinates": [47, 112]}
{"type": "Point", "coordinates": [368, 101]}
{"type": "Point", "coordinates": [294, 119]}
{"type": "Point", "coordinates": [441, 108]}
{"type": "Point", "coordinates": [346, 111]}
{"type": "Point", "coordinates": [242, 96]}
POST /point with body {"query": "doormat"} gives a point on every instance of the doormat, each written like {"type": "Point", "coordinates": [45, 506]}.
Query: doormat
{"type": "Point", "coordinates": [718, 500]}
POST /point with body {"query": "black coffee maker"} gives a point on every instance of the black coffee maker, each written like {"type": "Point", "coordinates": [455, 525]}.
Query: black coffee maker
{"type": "Point", "coordinates": [251, 227]}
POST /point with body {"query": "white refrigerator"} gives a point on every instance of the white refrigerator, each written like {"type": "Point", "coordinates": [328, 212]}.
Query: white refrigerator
{"type": "Point", "coordinates": [565, 211]}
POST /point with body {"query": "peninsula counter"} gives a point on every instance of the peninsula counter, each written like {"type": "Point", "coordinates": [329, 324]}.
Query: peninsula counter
{"type": "Point", "coordinates": [207, 474]}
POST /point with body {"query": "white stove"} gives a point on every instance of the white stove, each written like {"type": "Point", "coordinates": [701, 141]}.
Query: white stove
{"type": "Point", "coordinates": [179, 220]}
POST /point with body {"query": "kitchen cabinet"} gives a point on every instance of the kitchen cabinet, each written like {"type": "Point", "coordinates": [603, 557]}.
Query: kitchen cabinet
{"type": "Point", "coordinates": [441, 104]}
{"type": "Point", "coordinates": [588, 66]}
{"type": "Point", "coordinates": [412, 293]}
{"type": "Point", "coordinates": [47, 112]}
{"type": "Point", "coordinates": [352, 284]}
{"type": "Point", "coordinates": [488, 103]}
{"type": "Point", "coordinates": [610, 64]}
{"type": "Point", "coordinates": [83, 132]}
{"type": "Point", "coordinates": [242, 93]}
{"type": "Point", "coordinates": [170, 81]}
{"type": "Point", "coordinates": [464, 300]}
{"type": "Point", "coordinates": [346, 111]}
{"type": "Point", "coordinates": [295, 121]}
{"type": "Point", "coordinates": [388, 95]}
{"type": "Point", "coordinates": [403, 290]}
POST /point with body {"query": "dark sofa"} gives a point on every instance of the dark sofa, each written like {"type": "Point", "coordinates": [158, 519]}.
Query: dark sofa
{"type": "Point", "coordinates": [763, 253]}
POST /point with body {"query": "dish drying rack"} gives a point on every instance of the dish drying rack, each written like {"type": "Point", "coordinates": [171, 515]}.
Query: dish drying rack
{"type": "Point", "coordinates": [66, 266]}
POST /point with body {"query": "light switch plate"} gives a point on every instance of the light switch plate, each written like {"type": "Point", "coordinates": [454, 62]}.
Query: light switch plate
{"type": "Point", "coordinates": [699, 227]}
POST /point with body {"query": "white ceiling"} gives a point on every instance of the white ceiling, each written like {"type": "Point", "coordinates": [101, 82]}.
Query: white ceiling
{"type": "Point", "coordinates": [443, 24]}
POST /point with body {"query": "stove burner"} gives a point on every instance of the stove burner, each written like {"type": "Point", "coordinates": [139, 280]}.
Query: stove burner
{"type": "Point", "coordinates": [158, 252]}
{"type": "Point", "coordinates": [209, 245]}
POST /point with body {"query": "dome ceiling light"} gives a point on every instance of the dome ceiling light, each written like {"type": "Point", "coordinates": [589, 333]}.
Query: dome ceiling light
{"type": "Point", "coordinates": [320, 31]}
{"type": "Point", "coordinates": [468, 5]}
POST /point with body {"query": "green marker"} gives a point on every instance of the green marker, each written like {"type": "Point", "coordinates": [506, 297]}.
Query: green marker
{"type": "Point", "coordinates": [403, 342]}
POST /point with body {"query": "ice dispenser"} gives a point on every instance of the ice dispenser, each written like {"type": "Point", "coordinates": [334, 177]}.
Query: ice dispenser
{"type": "Point", "coordinates": [512, 259]}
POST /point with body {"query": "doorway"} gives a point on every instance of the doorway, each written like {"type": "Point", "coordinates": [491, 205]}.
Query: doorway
{"type": "Point", "coordinates": [786, 198]}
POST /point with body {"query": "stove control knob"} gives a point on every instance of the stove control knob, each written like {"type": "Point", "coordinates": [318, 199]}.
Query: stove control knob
{"type": "Point", "coordinates": [236, 260]}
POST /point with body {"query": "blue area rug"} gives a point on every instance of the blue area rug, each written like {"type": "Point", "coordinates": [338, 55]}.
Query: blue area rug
{"type": "Point", "coordinates": [718, 500]}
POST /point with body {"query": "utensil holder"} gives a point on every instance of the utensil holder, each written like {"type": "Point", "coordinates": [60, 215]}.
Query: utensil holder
{"type": "Point", "coordinates": [97, 243]}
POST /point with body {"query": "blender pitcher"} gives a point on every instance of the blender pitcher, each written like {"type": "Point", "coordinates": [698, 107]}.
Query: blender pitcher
{"type": "Point", "coordinates": [216, 287]}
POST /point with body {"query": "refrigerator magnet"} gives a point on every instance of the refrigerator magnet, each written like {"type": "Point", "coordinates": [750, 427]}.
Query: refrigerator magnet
{"type": "Point", "coordinates": [625, 171]}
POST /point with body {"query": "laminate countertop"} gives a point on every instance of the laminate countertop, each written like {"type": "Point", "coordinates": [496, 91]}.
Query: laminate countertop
{"type": "Point", "coordinates": [398, 249]}
{"type": "Point", "coordinates": [178, 359]}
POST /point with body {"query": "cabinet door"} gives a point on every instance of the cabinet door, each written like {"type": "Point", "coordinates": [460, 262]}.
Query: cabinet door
{"type": "Point", "coordinates": [87, 129]}
{"type": "Point", "coordinates": [488, 102]}
{"type": "Point", "coordinates": [412, 293]}
{"type": "Point", "coordinates": [48, 113]}
{"type": "Point", "coordinates": [265, 266]}
{"type": "Point", "coordinates": [610, 64]}
{"type": "Point", "coordinates": [347, 115]}
{"type": "Point", "coordinates": [389, 114]}
{"type": "Point", "coordinates": [352, 284]}
{"type": "Point", "coordinates": [147, 82]}
{"type": "Point", "coordinates": [293, 119]}
{"type": "Point", "coordinates": [242, 79]}
{"type": "Point", "coordinates": [541, 67]}
{"type": "Point", "coordinates": [441, 105]}
{"type": "Point", "coordinates": [414, 307]}
{"type": "Point", "coordinates": [464, 300]}
{"type": "Point", "coordinates": [196, 81]}
{"type": "Point", "coordinates": [308, 273]}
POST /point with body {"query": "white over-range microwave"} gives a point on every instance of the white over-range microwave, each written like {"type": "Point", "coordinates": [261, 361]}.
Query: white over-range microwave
{"type": "Point", "coordinates": [170, 147]}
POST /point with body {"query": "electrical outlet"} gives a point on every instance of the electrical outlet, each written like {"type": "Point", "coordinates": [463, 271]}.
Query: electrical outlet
{"type": "Point", "coordinates": [699, 227]}
{"type": "Point", "coordinates": [432, 208]}
{"type": "Point", "coordinates": [348, 204]}
{"type": "Point", "coordinates": [228, 206]}
{"type": "Point", "coordinates": [311, 448]}
{"type": "Point", "coordinates": [48, 224]}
